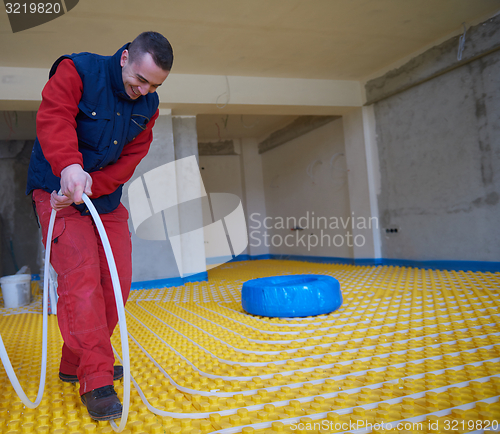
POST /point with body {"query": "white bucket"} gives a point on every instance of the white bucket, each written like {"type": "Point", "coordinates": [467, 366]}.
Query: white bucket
{"type": "Point", "coordinates": [16, 290]}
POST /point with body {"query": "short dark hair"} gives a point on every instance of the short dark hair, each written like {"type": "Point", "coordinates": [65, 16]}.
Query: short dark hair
{"type": "Point", "coordinates": [155, 44]}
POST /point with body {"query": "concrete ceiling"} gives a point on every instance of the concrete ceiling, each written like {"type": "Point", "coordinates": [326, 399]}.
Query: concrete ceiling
{"type": "Point", "coordinates": [322, 39]}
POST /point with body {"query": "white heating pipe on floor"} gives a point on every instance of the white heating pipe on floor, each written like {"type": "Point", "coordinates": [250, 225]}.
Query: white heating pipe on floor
{"type": "Point", "coordinates": [121, 320]}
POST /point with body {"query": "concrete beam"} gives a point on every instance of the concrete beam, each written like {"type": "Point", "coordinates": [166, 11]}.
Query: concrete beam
{"type": "Point", "coordinates": [21, 88]}
{"type": "Point", "coordinates": [220, 91]}
{"type": "Point", "coordinates": [480, 40]}
{"type": "Point", "coordinates": [225, 147]}
{"type": "Point", "coordinates": [295, 129]}
{"type": "Point", "coordinates": [188, 94]}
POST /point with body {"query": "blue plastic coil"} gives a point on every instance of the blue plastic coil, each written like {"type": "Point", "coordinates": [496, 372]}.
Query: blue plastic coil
{"type": "Point", "coordinates": [291, 296]}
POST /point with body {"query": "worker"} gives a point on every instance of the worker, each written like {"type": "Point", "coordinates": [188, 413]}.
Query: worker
{"type": "Point", "coordinates": [94, 126]}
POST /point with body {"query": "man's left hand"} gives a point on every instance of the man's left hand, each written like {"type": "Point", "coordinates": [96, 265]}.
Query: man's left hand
{"type": "Point", "coordinates": [59, 202]}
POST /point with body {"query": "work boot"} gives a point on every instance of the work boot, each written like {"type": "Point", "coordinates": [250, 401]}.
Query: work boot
{"type": "Point", "coordinates": [117, 375]}
{"type": "Point", "coordinates": [102, 403]}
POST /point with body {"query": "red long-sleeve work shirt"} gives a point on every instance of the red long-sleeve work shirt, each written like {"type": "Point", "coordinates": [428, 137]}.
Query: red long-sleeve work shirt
{"type": "Point", "coordinates": [56, 131]}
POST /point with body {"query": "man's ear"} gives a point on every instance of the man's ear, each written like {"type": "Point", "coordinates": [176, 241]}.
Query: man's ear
{"type": "Point", "coordinates": [124, 58]}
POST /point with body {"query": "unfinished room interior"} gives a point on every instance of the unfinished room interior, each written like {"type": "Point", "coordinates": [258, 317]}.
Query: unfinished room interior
{"type": "Point", "coordinates": [315, 227]}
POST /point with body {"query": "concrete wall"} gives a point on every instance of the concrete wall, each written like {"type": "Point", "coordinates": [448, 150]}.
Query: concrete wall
{"type": "Point", "coordinates": [306, 179]}
{"type": "Point", "coordinates": [20, 239]}
{"type": "Point", "coordinates": [439, 152]}
{"type": "Point", "coordinates": [19, 234]}
{"type": "Point", "coordinates": [240, 174]}
{"type": "Point", "coordinates": [17, 125]}
{"type": "Point", "coordinates": [222, 174]}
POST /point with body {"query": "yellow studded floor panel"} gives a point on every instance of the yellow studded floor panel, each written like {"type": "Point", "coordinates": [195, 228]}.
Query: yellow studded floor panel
{"type": "Point", "coordinates": [409, 350]}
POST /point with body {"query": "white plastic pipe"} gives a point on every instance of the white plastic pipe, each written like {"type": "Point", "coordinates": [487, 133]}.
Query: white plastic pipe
{"type": "Point", "coordinates": [121, 320]}
{"type": "Point", "coordinates": [121, 313]}
{"type": "Point", "coordinates": [3, 352]}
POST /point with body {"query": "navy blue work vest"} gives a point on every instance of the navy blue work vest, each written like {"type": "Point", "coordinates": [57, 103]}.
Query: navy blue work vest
{"type": "Point", "coordinates": [108, 119]}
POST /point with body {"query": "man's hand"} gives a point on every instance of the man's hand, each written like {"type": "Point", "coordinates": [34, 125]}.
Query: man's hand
{"type": "Point", "coordinates": [74, 182]}
{"type": "Point", "coordinates": [58, 202]}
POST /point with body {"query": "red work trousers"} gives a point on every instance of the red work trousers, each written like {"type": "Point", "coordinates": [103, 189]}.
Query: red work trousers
{"type": "Point", "coordinates": [86, 308]}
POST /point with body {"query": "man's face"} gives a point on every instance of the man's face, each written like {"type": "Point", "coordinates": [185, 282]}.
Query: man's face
{"type": "Point", "coordinates": [141, 76]}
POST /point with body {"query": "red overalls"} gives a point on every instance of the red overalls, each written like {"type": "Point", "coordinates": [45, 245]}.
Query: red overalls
{"type": "Point", "coordinates": [86, 309]}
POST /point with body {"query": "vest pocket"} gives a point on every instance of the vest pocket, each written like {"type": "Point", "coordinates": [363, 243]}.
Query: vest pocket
{"type": "Point", "coordinates": [91, 123]}
{"type": "Point", "coordinates": [138, 124]}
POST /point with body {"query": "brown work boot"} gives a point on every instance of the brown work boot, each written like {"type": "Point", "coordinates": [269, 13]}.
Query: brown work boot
{"type": "Point", "coordinates": [102, 403]}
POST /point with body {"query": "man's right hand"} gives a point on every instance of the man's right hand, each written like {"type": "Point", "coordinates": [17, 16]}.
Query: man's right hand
{"type": "Point", "coordinates": [74, 182]}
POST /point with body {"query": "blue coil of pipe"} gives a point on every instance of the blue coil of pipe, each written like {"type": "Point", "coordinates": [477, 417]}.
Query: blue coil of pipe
{"type": "Point", "coordinates": [291, 296]}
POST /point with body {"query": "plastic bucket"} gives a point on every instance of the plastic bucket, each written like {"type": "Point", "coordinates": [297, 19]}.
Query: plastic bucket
{"type": "Point", "coordinates": [16, 290]}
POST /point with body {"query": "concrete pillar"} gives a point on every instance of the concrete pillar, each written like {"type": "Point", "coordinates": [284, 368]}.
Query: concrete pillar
{"type": "Point", "coordinates": [153, 258]}
{"type": "Point", "coordinates": [191, 248]}
{"type": "Point", "coordinates": [363, 179]}
{"type": "Point", "coordinates": [253, 196]}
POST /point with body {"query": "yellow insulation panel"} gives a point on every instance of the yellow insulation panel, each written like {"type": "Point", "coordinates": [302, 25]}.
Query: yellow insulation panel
{"type": "Point", "coordinates": [410, 350]}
